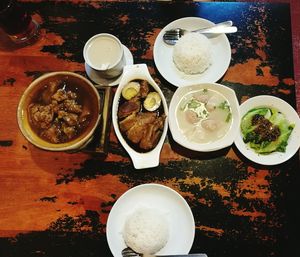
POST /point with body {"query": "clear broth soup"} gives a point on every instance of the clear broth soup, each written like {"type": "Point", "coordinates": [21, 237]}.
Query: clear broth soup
{"type": "Point", "coordinates": [204, 116]}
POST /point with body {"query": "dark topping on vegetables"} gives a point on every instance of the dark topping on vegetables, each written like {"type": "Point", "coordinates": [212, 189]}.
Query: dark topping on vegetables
{"type": "Point", "coordinates": [265, 129]}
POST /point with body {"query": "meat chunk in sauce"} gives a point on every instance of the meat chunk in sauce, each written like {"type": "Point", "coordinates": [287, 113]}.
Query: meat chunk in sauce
{"type": "Point", "coordinates": [57, 116]}
{"type": "Point", "coordinates": [129, 107]}
{"type": "Point", "coordinates": [140, 127]}
{"type": "Point", "coordinates": [52, 134]}
{"type": "Point", "coordinates": [41, 115]}
{"type": "Point", "coordinates": [144, 89]}
{"type": "Point", "coordinates": [72, 106]}
{"type": "Point", "coordinates": [60, 95]}
{"type": "Point", "coordinates": [70, 119]}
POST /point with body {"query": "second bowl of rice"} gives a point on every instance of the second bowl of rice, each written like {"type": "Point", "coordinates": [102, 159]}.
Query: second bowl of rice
{"type": "Point", "coordinates": [146, 231]}
{"type": "Point", "coordinates": [192, 53]}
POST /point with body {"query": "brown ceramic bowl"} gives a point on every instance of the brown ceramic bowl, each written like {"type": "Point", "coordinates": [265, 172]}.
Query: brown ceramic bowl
{"type": "Point", "coordinates": [89, 98]}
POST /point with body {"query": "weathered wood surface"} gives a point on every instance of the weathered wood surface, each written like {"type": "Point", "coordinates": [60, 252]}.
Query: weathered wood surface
{"type": "Point", "coordinates": [57, 203]}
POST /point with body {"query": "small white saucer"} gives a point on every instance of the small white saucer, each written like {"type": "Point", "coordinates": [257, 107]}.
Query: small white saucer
{"type": "Point", "coordinates": [94, 76]}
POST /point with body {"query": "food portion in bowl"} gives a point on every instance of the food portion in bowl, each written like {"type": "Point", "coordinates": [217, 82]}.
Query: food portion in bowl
{"type": "Point", "coordinates": [146, 231]}
{"type": "Point", "coordinates": [204, 116]}
{"type": "Point", "coordinates": [141, 115]}
{"type": "Point", "coordinates": [58, 112]}
{"type": "Point", "coordinates": [266, 130]}
{"type": "Point", "coordinates": [192, 53]}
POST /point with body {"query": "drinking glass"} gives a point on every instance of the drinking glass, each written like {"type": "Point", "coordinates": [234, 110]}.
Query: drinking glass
{"type": "Point", "coordinates": [16, 22]}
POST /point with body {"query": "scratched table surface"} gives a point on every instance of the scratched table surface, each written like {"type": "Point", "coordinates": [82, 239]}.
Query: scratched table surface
{"type": "Point", "coordinates": [57, 204]}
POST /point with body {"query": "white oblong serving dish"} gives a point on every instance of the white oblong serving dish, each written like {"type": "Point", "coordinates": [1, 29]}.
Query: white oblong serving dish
{"type": "Point", "coordinates": [293, 141]}
{"type": "Point", "coordinates": [165, 200]}
{"type": "Point", "coordinates": [223, 142]}
{"type": "Point", "coordinates": [140, 160]}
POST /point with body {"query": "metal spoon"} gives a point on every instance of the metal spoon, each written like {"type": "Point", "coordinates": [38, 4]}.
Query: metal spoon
{"type": "Point", "coordinates": [128, 252]}
{"type": "Point", "coordinates": [171, 36]}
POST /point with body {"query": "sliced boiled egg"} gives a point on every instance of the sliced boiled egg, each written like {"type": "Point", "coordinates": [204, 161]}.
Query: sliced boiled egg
{"type": "Point", "coordinates": [152, 101]}
{"type": "Point", "coordinates": [131, 90]}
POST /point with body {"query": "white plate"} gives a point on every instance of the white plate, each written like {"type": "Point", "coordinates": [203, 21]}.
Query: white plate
{"type": "Point", "coordinates": [94, 76]}
{"type": "Point", "coordinates": [163, 55]}
{"type": "Point", "coordinates": [178, 215]}
{"type": "Point", "coordinates": [223, 142]}
{"type": "Point", "coordinates": [293, 142]}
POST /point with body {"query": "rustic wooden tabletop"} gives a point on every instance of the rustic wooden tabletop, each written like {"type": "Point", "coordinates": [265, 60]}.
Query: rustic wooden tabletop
{"type": "Point", "coordinates": [55, 204]}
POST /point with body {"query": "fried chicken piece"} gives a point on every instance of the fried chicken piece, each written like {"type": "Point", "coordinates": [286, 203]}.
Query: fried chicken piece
{"type": "Point", "coordinates": [141, 120]}
{"type": "Point", "coordinates": [128, 122]}
{"type": "Point", "coordinates": [152, 134]}
{"type": "Point", "coordinates": [136, 133]}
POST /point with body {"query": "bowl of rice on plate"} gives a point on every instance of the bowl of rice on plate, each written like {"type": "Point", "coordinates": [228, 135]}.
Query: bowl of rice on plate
{"type": "Point", "coordinates": [150, 219]}
{"type": "Point", "coordinates": [146, 231]}
{"type": "Point", "coordinates": [192, 53]}
{"type": "Point", "coordinates": [195, 58]}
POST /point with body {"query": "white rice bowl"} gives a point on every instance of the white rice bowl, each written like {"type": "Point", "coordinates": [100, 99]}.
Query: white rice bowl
{"type": "Point", "coordinates": [146, 231]}
{"type": "Point", "coordinates": [192, 53]}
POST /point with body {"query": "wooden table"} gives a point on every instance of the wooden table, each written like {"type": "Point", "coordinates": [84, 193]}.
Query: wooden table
{"type": "Point", "coordinates": [57, 204]}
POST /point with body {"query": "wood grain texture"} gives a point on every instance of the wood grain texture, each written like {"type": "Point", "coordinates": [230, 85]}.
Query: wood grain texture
{"type": "Point", "coordinates": [295, 21]}
{"type": "Point", "coordinates": [55, 204]}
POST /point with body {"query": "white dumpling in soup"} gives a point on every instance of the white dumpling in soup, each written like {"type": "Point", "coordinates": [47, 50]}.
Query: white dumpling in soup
{"type": "Point", "coordinates": [201, 97]}
{"type": "Point", "coordinates": [191, 117]}
{"type": "Point", "coordinates": [204, 116]}
{"type": "Point", "coordinates": [212, 103]}
{"type": "Point", "coordinates": [210, 124]}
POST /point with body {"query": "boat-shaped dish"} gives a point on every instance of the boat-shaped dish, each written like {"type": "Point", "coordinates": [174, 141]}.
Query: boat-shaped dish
{"type": "Point", "coordinates": [141, 158]}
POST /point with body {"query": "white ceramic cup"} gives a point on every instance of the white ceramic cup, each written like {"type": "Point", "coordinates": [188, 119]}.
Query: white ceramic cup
{"type": "Point", "coordinates": [104, 53]}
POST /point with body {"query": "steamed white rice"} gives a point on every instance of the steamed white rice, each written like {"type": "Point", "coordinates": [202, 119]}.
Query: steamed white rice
{"type": "Point", "coordinates": [146, 231]}
{"type": "Point", "coordinates": [192, 53]}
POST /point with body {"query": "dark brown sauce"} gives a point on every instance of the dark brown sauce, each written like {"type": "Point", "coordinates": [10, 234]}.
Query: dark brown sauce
{"type": "Point", "coordinates": [159, 113]}
{"type": "Point", "coordinates": [43, 97]}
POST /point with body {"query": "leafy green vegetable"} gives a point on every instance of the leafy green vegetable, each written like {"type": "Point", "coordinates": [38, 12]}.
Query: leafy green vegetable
{"type": "Point", "coordinates": [224, 106]}
{"type": "Point", "coordinates": [197, 107]}
{"type": "Point", "coordinates": [254, 139]}
{"type": "Point", "coordinates": [193, 104]}
{"type": "Point", "coordinates": [228, 118]}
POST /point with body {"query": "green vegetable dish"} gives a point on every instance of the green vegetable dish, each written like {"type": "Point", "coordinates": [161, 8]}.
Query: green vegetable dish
{"type": "Point", "coordinates": [266, 130]}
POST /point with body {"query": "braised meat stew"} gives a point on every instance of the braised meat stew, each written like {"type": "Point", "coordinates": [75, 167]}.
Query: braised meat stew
{"type": "Point", "coordinates": [60, 111]}
{"type": "Point", "coordinates": [141, 115]}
